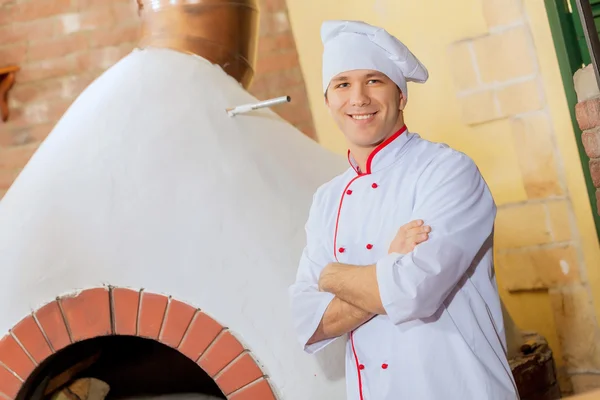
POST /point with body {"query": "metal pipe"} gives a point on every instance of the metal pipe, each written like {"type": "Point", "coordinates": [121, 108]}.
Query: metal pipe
{"type": "Point", "coordinates": [225, 32]}
{"type": "Point", "coordinates": [591, 34]}
{"type": "Point", "coordinates": [232, 112]}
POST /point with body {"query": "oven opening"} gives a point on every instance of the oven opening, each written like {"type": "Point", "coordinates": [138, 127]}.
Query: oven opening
{"type": "Point", "coordinates": [130, 367]}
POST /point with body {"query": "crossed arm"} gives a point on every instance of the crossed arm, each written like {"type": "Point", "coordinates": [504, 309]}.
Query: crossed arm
{"type": "Point", "coordinates": [356, 291]}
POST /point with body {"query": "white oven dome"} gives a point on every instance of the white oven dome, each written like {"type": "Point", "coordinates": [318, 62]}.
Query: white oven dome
{"type": "Point", "coordinates": [147, 183]}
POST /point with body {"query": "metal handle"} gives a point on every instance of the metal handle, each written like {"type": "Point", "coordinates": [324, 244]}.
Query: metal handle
{"type": "Point", "coordinates": [255, 106]}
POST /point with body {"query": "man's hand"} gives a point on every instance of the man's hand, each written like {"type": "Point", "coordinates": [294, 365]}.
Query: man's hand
{"type": "Point", "coordinates": [325, 280]}
{"type": "Point", "coordinates": [409, 236]}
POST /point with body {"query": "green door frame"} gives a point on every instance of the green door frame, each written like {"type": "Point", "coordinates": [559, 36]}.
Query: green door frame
{"type": "Point", "coordinates": [571, 56]}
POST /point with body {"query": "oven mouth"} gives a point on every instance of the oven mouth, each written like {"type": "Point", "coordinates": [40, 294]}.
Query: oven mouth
{"type": "Point", "coordinates": [131, 366]}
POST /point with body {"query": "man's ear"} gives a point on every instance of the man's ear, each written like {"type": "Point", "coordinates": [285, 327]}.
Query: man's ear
{"type": "Point", "coordinates": [402, 102]}
{"type": "Point", "coordinates": [327, 104]}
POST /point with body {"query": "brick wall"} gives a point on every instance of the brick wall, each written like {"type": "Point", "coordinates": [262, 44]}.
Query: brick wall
{"type": "Point", "coordinates": [587, 111]}
{"type": "Point", "coordinates": [501, 92]}
{"type": "Point", "coordinates": [63, 45]}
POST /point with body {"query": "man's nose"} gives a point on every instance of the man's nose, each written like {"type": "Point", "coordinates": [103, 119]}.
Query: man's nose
{"type": "Point", "coordinates": [359, 97]}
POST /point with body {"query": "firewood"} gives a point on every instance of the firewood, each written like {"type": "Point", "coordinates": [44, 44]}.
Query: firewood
{"type": "Point", "coordinates": [65, 377]}
{"type": "Point", "coordinates": [83, 389]}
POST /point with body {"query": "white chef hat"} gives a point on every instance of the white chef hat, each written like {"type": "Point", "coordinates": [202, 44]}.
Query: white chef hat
{"type": "Point", "coordinates": [351, 45]}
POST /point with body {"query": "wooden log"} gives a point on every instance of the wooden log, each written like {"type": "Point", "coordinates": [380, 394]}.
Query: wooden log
{"type": "Point", "coordinates": [534, 370]}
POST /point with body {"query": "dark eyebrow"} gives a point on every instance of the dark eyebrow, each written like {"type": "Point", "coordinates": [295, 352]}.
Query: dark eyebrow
{"type": "Point", "coordinates": [374, 75]}
{"type": "Point", "coordinates": [340, 78]}
{"type": "Point", "coordinates": [367, 76]}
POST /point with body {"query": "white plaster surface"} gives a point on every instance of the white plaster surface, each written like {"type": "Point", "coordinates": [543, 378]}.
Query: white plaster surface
{"type": "Point", "coordinates": [147, 183]}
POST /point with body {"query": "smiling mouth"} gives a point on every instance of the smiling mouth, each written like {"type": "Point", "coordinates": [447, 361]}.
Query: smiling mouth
{"type": "Point", "coordinates": [362, 116]}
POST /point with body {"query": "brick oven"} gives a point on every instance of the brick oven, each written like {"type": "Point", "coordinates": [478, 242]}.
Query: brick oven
{"type": "Point", "coordinates": [150, 240]}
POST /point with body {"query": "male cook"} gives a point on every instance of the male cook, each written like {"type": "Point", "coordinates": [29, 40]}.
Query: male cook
{"type": "Point", "coordinates": [424, 321]}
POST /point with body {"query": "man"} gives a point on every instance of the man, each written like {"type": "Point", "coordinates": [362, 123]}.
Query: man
{"type": "Point", "coordinates": [420, 304]}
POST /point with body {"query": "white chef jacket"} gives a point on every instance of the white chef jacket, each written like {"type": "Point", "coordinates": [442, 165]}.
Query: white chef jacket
{"type": "Point", "coordinates": [443, 336]}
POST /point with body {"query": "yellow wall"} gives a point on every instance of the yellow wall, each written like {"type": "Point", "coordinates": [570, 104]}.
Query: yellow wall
{"type": "Point", "coordinates": [495, 93]}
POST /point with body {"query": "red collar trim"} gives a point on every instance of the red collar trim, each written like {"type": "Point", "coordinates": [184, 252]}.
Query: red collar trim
{"type": "Point", "coordinates": [377, 150]}
{"type": "Point", "coordinates": [352, 164]}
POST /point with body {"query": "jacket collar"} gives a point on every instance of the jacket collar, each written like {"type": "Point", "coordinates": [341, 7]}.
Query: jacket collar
{"type": "Point", "coordinates": [384, 155]}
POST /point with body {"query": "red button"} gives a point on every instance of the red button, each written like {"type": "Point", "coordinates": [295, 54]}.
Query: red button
{"type": "Point", "coordinates": [349, 192]}
{"type": "Point", "coordinates": [374, 186]}
{"type": "Point", "coordinates": [341, 249]}
{"type": "Point", "coordinates": [369, 246]}
{"type": "Point", "coordinates": [384, 366]}
{"type": "Point", "coordinates": [361, 366]}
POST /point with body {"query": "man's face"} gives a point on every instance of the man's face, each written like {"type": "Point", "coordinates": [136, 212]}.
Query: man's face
{"type": "Point", "coordinates": [365, 105]}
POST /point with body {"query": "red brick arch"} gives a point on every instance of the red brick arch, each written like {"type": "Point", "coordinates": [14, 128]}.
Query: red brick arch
{"type": "Point", "coordinates": [119, 311]}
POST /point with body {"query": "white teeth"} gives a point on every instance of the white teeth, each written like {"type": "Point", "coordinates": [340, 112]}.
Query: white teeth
{"type": "Point", "coordinates": [365, 116]}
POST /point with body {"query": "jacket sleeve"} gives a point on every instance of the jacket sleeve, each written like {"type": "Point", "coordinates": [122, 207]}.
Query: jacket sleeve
{"type": "Point", "coordinates": [308, 304]}
{"type": "Point", "coordinates": [452, 198]}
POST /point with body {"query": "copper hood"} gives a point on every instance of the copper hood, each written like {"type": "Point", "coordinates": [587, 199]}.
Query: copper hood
{"type": "Point", "coordinates": [224, 32]}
